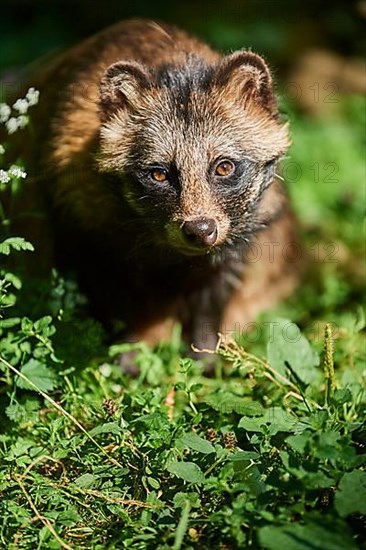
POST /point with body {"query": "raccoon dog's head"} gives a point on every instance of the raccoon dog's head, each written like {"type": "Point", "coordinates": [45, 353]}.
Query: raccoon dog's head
{"type": "Point", "coordinates": [194, 146]}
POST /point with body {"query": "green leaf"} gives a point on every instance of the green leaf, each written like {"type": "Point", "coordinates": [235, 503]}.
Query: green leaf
{"type": "Point", "coordinates": [350, 497]}
{"type": "Point", "coordinates": [287, 344]}
{"type": "Point", "coordinates": [19, 448]}
{"type": "Point", "coordinates": [27, 325]}
{"type": "Point", "coordinates": [13, 279]}
{"type": "Point", "coordinates": [42, 377]}
{"type": "Point", "coordinates": [195, 387]}
{"type": "Point", "coordinates": [274, 420]}
{"type": "Point", "coordinates": [342, 396]}
{"type": "Point", "coordinates": [328, 446]}
{"type": "Point", "coordinates": [226, 403]}
{"type": "Point", "coordinates": [154, 483]}
{"type": "Point", "coordinates": [188, 471]}
{"type": "Point", "coordinates": [42, 323]}
{"type": "Point", "coordinates": [185, 364]}
{"type": "Point", "coordinates": [197, 443]}
{"type": "Point", "coordinates": [106, 428]}
{"type": "Point", "coordinates": [299, 442]}
{"type": "Point", "coordinates": [15, 243]}
{"type": "Point", "coordinates": [9, 323]}
{"type": "Point", "coordinates": [182, 526]}
{"type": "Point", "coordinates": [85, 481]}
{"type": "Point", "coordinates": [304, 537]}
{"type": "Point", "coordinates": [18, 412]}
{"type": "Point", "coordinates": [245, 456]}
{"type": "Point", "coordinates": [181, 498]}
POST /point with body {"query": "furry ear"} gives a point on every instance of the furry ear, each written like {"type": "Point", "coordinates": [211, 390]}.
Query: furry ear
{"type": "Point", "coordinates": [245, 76]}
{"type": "Point", "coordinates": [121, 86]}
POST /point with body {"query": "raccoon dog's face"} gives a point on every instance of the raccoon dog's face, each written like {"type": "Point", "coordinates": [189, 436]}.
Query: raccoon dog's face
{"type": "Point", "coordinates": [194, 146]}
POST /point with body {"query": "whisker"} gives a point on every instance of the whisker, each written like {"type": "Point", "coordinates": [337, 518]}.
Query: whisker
{"type": "Point", "coordinates": [279, 177]}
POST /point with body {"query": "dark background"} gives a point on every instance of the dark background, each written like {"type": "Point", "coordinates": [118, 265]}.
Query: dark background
{"type": "Point", "coordinates": [278, 29]}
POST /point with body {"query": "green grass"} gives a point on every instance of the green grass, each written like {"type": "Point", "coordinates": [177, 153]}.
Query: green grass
{"type": "Point", "coordinates": [267, 454]}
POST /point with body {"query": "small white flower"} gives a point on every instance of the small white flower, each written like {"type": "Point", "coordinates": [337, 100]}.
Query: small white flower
{"type": "Point", "coordinates": [17, 172]}
{"type": "Point", "coordinates": [4, 176]}
{"type": "Point", "coordinates": [2, 149]}
{"type": "Point", "coordinates": [21, 105]}
{"type": "Point", "coordinates": [105, 370]}
{"type": "Point", "coordinates": [32, 96]}
{"type": "Point", "coordinates": [22, 121]}
{"type": "Point", "coordinates": [4, 112]}
{"type": "Point", "coordinates": [11, 125]}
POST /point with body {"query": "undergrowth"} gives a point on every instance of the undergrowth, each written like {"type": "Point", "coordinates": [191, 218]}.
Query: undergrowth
{"type": "Point", "coordinates": [269, 453]}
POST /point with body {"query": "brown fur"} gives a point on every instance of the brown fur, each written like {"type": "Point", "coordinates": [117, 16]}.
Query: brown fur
{"type": "Point", "coordinates": [140, 94]}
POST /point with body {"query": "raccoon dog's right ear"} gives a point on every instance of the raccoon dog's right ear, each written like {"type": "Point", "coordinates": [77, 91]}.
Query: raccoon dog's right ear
{"type": "Point", "coordinates": [121, 86]}
{"type": "Point", "coordinates": [245, 76]}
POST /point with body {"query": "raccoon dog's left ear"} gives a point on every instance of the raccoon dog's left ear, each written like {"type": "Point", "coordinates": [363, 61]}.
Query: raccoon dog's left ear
{"type": "Point", "coordinates": [121, 86]}
{"type": "Point", "coordinates": [245, 76]}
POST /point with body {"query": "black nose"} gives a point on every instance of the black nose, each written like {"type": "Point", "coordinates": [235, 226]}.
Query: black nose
{"type": "Point", "coordinates": [201, 231]}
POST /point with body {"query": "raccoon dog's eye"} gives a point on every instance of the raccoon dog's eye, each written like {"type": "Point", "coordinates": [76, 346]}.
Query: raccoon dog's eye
{"type": "Point", "coordinates": [159, 174]}
{"type": "Point", "coordinates": [225, 168]}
